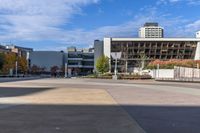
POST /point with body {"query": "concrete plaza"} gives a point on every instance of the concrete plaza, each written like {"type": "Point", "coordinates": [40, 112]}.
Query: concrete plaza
{"type": "Point", "coordinates": [99, 106]}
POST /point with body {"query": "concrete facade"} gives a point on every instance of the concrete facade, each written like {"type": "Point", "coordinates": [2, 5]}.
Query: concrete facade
{"type": "Point", "coordinates": [20, 51]}
{"type": "Point", "coordinates": [3, 49]}
{"type": "Point", "coordinates": [198, 34]}
{"type": "Point", "coordinates": [151, 30]}
{"type": "Point", "coordinates": [98, 50]}
{"type": "Point", "coordinates": [197, 56]}
{"type": "Point", "coordinates": [153, 48]}
{"type": "Point", "coordinates": [79, 61]}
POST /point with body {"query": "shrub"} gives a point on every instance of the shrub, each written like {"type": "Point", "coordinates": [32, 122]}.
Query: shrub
{"type": "Point", "coordinates": [171, 63]}
{"type": "Point", "coordinates": [102, 64]}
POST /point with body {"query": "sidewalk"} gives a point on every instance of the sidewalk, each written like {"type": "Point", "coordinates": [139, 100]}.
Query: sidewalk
{"type": "Point", "coordinates": [65, 110]}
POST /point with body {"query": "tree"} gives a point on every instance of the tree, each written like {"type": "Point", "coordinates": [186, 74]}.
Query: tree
{"type": "Point", "coordinates": [35, 69]}
{"type": "Point", "coordinates": [54, 70]}
{"type": "Point", "coordinates": [102, 64]}
{"type": "Point", "coordinates": [143, 59]}
{"type": "Point", "coordinates": [9, 62]}
{"type": "Point", "coordinates": [2, 60]}
{"type": "Point", "coordinates": [23, 65]}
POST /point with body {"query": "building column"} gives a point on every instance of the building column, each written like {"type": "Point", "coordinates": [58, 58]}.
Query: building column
{"type": "Point", "coordinates": [197, 54]}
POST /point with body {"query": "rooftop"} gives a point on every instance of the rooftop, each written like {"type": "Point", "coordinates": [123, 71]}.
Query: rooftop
{"type": "Point", "coordinates": [150, 24]}
{"type": "Point", "coordinates": [156, 39]}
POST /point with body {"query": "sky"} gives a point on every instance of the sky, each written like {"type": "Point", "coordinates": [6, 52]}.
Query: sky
{"type": "Point", "coordinates": [58, 24]}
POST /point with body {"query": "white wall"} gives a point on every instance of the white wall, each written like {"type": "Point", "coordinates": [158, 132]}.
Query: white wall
{"type": "Point", "coordinates": [198, 34]}
{"type": "Point", "coordinates": [162, 73]}
{"type": "Point", "coordinates": [197, 54]}
{"type": "Point", "coordinates": [107, 47]}
{"type": "Point", "coordinates": [142, 32]}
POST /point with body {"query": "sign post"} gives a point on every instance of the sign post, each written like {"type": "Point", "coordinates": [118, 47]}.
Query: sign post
{"type": "Point", "coordinates": [116, 56]}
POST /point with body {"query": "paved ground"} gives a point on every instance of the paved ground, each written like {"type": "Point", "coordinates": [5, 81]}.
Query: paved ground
{"type": "Point", "coordinates": [99, 106]}
{"type": "Point", "coordinates": [17, 79]}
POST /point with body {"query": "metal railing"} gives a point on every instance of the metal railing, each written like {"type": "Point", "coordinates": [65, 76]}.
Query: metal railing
{"type": "Point", "coordinates": [186, 73]}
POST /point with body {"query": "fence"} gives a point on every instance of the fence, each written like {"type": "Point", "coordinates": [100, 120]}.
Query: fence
{"type": "Point", "coordinates": [162, 73]}
{"type": "Point", "coordinates": [177, 74]}
{"type": "Point", "coordinates": [186, 73]}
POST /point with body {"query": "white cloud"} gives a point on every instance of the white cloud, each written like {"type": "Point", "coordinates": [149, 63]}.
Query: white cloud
{"type": "Point", "coordinates": [195, 26]}
{"type": "Point", "coordinates": [41, 20]}
{"type": "Point", "coordinates": [36, 19]}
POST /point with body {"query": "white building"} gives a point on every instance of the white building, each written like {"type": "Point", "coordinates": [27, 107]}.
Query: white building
{"type": "Point", "coordinates": [198, 34]}
{"type": "Point", "coordinates": [197, 56]}
{"type": "Point", "coordinates": [152, 48]}
{"type": "Point", "coordinates": [151, 30]}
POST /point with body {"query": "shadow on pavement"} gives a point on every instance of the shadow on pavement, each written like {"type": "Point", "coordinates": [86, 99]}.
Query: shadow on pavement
{"type": "Point", "coordinates": [98, 119]}
{"type": "Point", "coordinates": [16, 91]}
{"type": "Point", "coordinates": [66, 119]}
{"type": "Point", "coordinates": [166, 119]}
{"type": "Point", "coordinates": [2, 80]}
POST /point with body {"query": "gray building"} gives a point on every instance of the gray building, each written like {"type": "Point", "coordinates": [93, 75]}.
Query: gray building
{"type": "Point", "coordinates": [3, 49]}
{"type": "Point", "coordinates": [98, 50]}
{"type": "Point", "coordinates": [20, 51]}
{"type": "Point", "coordinates": [47, 59]}
{"type": "Point", "coordinates": [75, 61]}
{"type": "Point", "coordinates": [80, 61]}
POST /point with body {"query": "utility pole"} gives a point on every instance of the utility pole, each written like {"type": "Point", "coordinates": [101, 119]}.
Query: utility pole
{"type": "Point", "coordinates": [115, 66]}
{"type": "Point", "coordinates": [158, 68]}
{"type": "Point", "coordinates": [16, 66]}
{"type": "Point", "coordinates": [66, 70]}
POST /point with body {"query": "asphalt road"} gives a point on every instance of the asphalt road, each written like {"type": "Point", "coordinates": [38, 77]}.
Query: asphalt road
{"type": "Point", "coordinates": [87, 105]}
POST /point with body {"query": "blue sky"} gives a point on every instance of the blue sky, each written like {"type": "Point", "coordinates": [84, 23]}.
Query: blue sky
{"type": "Point", "coordinates": [57, 24]}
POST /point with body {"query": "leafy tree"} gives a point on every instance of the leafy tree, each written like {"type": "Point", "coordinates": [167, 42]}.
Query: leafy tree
{"type": "Point", "coordinates": [143, 59]}
{"type": "Point", "coordinates": [2, 60]}
{"type": "Point", "coordinates": [54, 70]}
{"type": "Point", "coordinates": [35, 69]}
{"type": "Point", "coordinates": [9, 62]}
{"type": "Point", "coordinates": [102, 64]}
{"type": "Point", "coordinates": [22, 65]}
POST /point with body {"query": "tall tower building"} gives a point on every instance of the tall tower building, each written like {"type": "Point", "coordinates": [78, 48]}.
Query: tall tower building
{"type": "Point", "coordinates": [151, 30]}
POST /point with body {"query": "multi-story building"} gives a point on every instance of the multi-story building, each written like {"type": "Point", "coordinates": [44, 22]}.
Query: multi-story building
{"type": "Point", "coordinates": [3, 49]}
{"type": "Point", "coordinates": [151, 30]}
{"type": "Point", "coordinates": [80, 62]}
{"type": "Point", "coordinates": [20, 51]}
{"type": "Point", "coordinates": [153, 48]}
{"type": "Point", "coordinates": [77, 62]}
